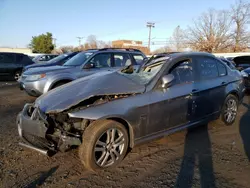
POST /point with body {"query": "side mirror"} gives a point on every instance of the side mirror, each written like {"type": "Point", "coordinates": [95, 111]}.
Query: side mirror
{"type": "Point", "coordinates": [89, 66]}
{"type": "Point", "coordinates": [166, 80]}
{"type": "Point", "coordinates": [145, 59]}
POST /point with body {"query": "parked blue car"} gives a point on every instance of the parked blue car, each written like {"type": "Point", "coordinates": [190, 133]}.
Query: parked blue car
{"type": "Point", "coordinates": [59, 60]}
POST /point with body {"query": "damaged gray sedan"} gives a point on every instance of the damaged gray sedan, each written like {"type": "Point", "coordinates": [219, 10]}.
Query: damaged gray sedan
{"type": "Point", "coordinates": [108, 113]}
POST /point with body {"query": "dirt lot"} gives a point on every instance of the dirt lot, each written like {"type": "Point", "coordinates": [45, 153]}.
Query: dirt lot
{"type": "Point", "coordinates": [207, 156]}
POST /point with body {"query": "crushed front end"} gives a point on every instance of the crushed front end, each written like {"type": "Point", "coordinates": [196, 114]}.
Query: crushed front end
{"type": "Point", "coordinates": [48, 133]}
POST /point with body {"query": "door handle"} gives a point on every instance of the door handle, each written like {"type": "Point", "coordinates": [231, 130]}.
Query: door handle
{"type": "Point", "coordinates": [194, 91]}
{"type": "Point", "coordinates": [223, 83]}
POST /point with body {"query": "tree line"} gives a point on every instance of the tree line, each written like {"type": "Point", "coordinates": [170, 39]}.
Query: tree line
{"type": "Point", "coordinates": [215, 31]}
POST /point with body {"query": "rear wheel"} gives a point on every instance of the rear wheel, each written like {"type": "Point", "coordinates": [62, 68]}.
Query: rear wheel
{"type": "Point", "coordinates": [104, 144]}
{"type": "Point", "coordinates": [229, 110]}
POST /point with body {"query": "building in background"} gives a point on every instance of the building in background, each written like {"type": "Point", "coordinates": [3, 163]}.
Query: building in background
{"type": "Point", "coordinates": [130, 44]}
{"type": "Point", "coordinates": [26, 51]}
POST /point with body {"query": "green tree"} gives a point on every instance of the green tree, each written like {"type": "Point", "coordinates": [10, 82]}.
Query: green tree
{"type": "Point", "coordinates": [42, 43]}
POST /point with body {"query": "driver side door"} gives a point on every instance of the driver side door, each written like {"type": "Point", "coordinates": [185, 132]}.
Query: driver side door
{"type": "Point", "coordinates": [172, 106]}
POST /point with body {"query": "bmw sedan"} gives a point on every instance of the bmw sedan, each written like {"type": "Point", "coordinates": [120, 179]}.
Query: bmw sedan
{"type": "Point", "coordinates": [107, 113]}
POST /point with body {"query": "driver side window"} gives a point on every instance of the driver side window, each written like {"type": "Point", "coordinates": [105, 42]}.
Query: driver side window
{"type": "Point", "coordinates": [101, 60]}
{"type": "Point", "coordinates": [183, 72]}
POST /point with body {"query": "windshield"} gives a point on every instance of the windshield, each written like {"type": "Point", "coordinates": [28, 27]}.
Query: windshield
{"type": "Point", "coordinates": [78, 59]}
{"type": "Point", "coordinates": [58, 58]}
{"type": "Point", "coordinates": [146, 74]}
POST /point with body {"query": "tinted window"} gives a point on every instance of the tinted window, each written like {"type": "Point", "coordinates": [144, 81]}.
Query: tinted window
{"type": "Point", "coordinates": [208, 67]}
{"type": "Point", "coordinates": [7, 58]}
{"type": "Point", "coordinates": [222, 69]}
{"type": "Point", "coordinates": [122, 60]}
{"type": "Point", "coordinates": [101, 60]}
{"type": "Point", "coordinates": [19, 58]}
{"type": "Point", "coordinates": [183, 72]}
{"type": "Point", "coordinates": [138, 58]}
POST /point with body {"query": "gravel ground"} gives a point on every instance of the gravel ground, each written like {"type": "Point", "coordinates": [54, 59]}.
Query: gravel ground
{"type": "Point", "coordinates": [211, 155]}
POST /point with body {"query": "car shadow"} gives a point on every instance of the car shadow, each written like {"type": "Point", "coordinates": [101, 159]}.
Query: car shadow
{"type": "Point", "coordinates": [39, 181]}
{"type": "Point", "coordinates": [197, 151]}
{"type": "Point", "coordinates": [245, 130]}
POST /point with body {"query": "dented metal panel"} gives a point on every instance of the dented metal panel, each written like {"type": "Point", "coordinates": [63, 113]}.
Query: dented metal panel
{"type": "Point", "coordinates": [65, 97]}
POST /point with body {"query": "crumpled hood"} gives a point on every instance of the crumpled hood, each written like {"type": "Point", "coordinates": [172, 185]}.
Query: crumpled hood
{"type": "Point", "coordinates": [71, 94]}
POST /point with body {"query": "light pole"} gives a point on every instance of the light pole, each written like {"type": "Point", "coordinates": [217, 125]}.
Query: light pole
{"type": "Point", "coordinates": [150, 25]}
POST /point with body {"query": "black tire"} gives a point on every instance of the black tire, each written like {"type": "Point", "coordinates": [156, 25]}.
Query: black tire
{"type": "Point", "coordinates": [225, 108]}
{"type": "Point", "coordinates": [95, 132]}
{"type": "Point", "coordinates": [17, 75]}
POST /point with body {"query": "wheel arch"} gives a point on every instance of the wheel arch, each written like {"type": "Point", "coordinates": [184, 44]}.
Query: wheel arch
{"type": "Point", "coordinates": [66, 80]}
{"type": "Point", "coordinates": [127, 126]}
{"type": "Point", "coordinates": [235, 93]}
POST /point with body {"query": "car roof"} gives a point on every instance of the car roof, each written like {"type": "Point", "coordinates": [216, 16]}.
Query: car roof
{"type": "Point", "coordinates": [176, 55]}
{"type": "Point", "coordinates": [129, 50]}
{"type": "Point", "coordinates": [12, 53]}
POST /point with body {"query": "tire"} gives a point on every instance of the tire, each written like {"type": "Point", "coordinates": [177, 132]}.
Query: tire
{"type": "Point", "coordinates": [226, 109]}
{"type": "Point", "coordinates": [17, 75]}
{"type": "Point", "coordinates": [98, 131]}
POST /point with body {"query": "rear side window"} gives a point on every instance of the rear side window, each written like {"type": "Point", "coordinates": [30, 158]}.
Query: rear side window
{"type": "Point", "coordinates": [19, 58]}
{"type": "Point", "coordinates": [183, 72]}
{"type": "Point", "coordinates": [222, 69]}
{"type": "Point", "coordinates": [138, 58]}
{"type": "Point", "coordinates": [7, 58]}
{"type": "Point", "coordinates": [122, 60]}
{"type": "Point", "coordinates": [207, 68]}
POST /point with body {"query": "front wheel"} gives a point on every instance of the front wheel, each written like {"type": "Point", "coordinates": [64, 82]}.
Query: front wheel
{"type": "Point", "coordinates": [229, 110]}
{"type": "Point", "coordinates": [104, 144]}
{"type": "Point", "coordinates": [17, 75]}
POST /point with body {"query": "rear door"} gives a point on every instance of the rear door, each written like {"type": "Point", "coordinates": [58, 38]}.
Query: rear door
{"type": "Point", "coordinates": [209, 91]}
{"type": "Point", "coordinates": [7, 64]}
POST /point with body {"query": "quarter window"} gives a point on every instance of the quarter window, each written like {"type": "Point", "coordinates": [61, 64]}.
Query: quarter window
{"type": "Point", "coordinates": [222, 69]}
{"type": "Point", "coordinates": [183, 72]}
{"type": "Point", "coordinates": [208, 68]}
{"type": "Point", "coordinates": [122, 60]}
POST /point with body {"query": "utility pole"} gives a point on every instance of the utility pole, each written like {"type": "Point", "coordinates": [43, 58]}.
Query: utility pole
{"type": "Point", "coordinates": [54, 39]}
{"type": "Point", "coordinates": [79, 40]}
{"type": "Point", "coordinates": [150, 25]}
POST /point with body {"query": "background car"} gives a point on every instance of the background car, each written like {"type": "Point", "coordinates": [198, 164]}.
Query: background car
{"type": "Point", "coordinates": [242, 62]}
{"type": "Point", "coordinates": [37, 81]}
{"type": "Point", "coordinates": [107, 113]}
{"type": "Point", "coordinates": [44, 58]}
{"type": "Point", "coordinates": [59, 60]}
{"type": "Point", "coordinates": [11, 64]}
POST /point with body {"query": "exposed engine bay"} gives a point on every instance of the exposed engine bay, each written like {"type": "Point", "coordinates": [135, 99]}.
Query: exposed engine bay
{"type": "Point", "coordinates": [62, 131]}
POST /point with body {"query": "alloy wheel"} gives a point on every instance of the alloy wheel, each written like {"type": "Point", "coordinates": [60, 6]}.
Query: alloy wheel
{"type": "Point", "coordinates": [109, 147]}
{"type": "Point", "coordinates": [230, 111]}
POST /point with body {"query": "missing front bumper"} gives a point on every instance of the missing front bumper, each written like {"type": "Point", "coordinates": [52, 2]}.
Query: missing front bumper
{"type": "Point", "coordinates": [33, 131]}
